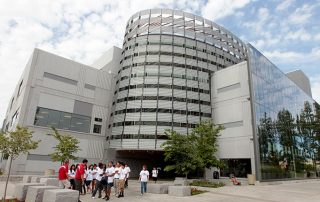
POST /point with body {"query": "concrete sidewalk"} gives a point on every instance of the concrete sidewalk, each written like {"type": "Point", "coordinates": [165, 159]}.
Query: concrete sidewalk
{"type": "Point", "coordinates": [293, 191]}
{"type": "Point", "coordinates": [306, 191]}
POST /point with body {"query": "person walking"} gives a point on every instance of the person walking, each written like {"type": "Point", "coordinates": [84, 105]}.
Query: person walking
{"type": "Point", "coordinates": [80, 175]}
{"type": "Point", "coordinates": [94, 176]}
{"type": "Point", "coordinates": [155, 174]}
{"type": "Point", "coordinates": [122, 180]}
{"type": "Point", "coordinates": [72, 174]}
{"type": "Point", "coordinates": [63, 175]}
{"type": "Point", "coordinates": [116, 178]}
{"type": "Point", "coordinates": [99, 186]}
{"type": "Point", "coordinates": [128, 170]}
{"type": "Point", "coordinates": [143, 178]}
{"type": "Point", "coordinates": [110, 172]}
{"type": "Point", "coordinates": [89, 178]}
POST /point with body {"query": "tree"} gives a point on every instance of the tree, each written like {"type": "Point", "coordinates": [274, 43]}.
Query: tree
{"type": "Point", "coordinates": [305, 125]}
{"type": "Point", "coordinates": [180, 152]}
{"type": "Point", "coordinates": [66, 148]}
{"type": "Point", "coordinates": [316, 143]}
{"type": "Point", "coordinates": [205, 135]}
{"type": "Point", "coordinates": [267, 138]}
{"type": "Point", "coordinates": [15, 143]}
{"type": "Point", "coordinates": [186, 153]}
{"type": "Point", "coordinates": [286, 128]}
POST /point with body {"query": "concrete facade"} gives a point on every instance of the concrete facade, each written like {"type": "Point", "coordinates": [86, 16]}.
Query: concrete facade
{"type": "Point", "coordinates": [62, 85]}
{"type": "Point", "coordinates": [231, 108]}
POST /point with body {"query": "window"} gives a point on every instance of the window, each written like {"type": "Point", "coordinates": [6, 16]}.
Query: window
{"type": "Point", "coordinates": [19, 90]}
{"type": "Point", "coordinates": [62, 120]}
{"type": "Point", "coordinates": [98, 119]}
{"type": "Point", "coordinates": [97, 128]}
{"type": "Point", "coordinates": [80, 123]}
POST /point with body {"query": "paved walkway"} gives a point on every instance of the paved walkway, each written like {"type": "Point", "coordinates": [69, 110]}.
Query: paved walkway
{"type": "Point", "coordinates": [289, 192]}
{"type": "Point", "coordinates": [296, 191]}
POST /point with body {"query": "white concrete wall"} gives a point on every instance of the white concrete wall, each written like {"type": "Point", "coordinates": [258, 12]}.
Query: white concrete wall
{"type": "Point", "coordinates": [231, 108]}
{"type": "Point", "coordinates": [61, 94]}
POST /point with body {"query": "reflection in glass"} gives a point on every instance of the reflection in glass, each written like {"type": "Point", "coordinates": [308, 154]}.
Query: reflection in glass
{"type": "Point", "coordinates": [62, 120]}
{"type": "Point", "coordinates": [285, 123]}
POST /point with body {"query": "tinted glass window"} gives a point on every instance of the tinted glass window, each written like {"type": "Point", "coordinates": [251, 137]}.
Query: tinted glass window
{"type": "Point", "coordinates": [62, 120]}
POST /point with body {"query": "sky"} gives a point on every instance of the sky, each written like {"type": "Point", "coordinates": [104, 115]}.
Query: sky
{"type": "Point", "coordinates": [286, 31]}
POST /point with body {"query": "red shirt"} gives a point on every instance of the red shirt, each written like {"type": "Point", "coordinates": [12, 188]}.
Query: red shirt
{"type": "Point", "coordinates": [63, 172]}
{"type": "Point", "coordinates": [79, 171]}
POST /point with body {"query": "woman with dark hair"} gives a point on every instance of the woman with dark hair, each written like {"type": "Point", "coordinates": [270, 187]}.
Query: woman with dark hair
{"type": "Point", "coordinates": [99, 187]}
{"type": "Point", "coordinates": [94, 176]}
{"type": "Point", "coordinates": [89, 177]}
{"type": "Point", "coordinates": [71, 174]}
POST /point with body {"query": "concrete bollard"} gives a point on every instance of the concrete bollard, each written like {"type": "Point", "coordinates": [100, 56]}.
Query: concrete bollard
{"type": "Point", "coordinates": [181, 181]}
{"type": "Point", "coordinates": [179, 191]}
{"type": "Point", "coordinates": [49, 172]}
{"type": "Point", "coordinates": [20, 190]}
{"type": "Point", "coordinates": [49, 181]}
{"type": "Point", "coordinates": [158, 188]}
{"type": "Point", "coordinates": [35, 193]}
{"type": "Point", "coordinates": [35, 179]}
{"type": "Point", "coordinates": [27, 178]}
{"type": "Point", "coordinates": [61, 195]}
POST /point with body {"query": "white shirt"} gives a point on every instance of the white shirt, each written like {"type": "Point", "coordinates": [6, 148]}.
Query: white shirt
{"type": "Point", "coordinates": [95, 173]}
{"type": "Point", "coordinates": [144, 174]}
{"type": "Point", "coordinates": [72, 174]}
{"type": "Point", "coordinates": [110, 171]}
{"type": "Point", "coordinates": [154, 173]}
{"type": "Point", "coordinates": [123, 174]}
{"type": "Point", "coordinates": [89, 175]}
{"type": "Point", "coordinates": [99, 173]}
{"type": "Point", "coordinates": [128, 170]}
{"type": "Point", "coordinates": [117, 171]}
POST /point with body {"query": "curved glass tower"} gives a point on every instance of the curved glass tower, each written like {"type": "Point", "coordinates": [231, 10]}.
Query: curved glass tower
{"type": "Point", "coordinates": [164, 83]}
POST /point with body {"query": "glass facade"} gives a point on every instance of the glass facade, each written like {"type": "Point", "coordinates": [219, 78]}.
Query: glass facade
{"type": "Point", "coordinates": [236, 167]}
{"type": "Point", "coordinates": [283, 123]}
{"type": "Point", "coordinates": [62, 120]}
{"type": "Point", "coordinates": [164, 83]}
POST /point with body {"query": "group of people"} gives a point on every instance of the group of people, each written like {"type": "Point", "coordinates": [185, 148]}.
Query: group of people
{"type": "Point", "coordinates": [97, 178]}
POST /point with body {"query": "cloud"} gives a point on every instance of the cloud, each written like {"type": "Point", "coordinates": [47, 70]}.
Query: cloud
{"type": "Point", "coordinates": [268, 41]}
{"type": "Point", "coordinates": [293, 56]}
{"type": "Point", "coordinates": [317, 37]}
{"type": "Point", "coordinates": [261, 23]}
{"type": "Point", "coordinates": [284, 55]}
{"type": "Point", "coordinates": [216, 9]}
{"type": "Point", "coordinates": [302, 14]}
{"type": "Point", "coordinates": [300, 34]}
{"type": "Point", "coordinates": [284, 5]}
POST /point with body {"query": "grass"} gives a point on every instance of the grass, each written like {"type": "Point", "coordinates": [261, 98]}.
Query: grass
{"type": "Point", "coordinates": [195, 191]}
{"type": "Point", "coordinates": [207, 184]}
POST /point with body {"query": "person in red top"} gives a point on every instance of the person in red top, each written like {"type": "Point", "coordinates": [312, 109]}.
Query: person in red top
{"type": "Point", "coordinates": [79, 177]}
{"type": "Point", "coordinates": [63, 175]}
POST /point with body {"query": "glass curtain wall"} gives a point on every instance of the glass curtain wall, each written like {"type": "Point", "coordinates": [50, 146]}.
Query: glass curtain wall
{"type": "Point", "coordinates": [285, 120]}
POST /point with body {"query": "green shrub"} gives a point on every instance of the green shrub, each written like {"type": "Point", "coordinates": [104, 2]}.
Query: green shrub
{"type": "Point", "coordinates": [207, 184]}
